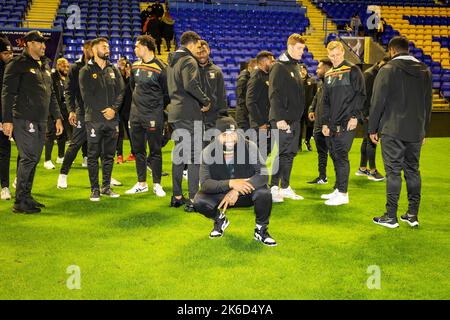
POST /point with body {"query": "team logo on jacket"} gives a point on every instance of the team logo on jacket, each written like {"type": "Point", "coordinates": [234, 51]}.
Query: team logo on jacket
{"type": "Point", "coordinates": [79, 124]}
{"type": "Point", "coordinates": [212, 75]}
{"type": "Point", "coordinates": [93, 133]}
{"type": "Point", "coordinates": [112, 75]}
{"type": "Point", "coordinates": [152, 124]}
{"type": "Point", "coordinates": [329, 80]}
{"type": "Point", "coordinates": [292, 75]}
{"type": "Point", "coordinates": [33, 71]}
{"type": "Point", "coordinates": [149, 74]}
{"type": "Point", "coordinates": [48, 73]}
{"type": "Point", "coordinates": [267, 82]}
{"type": "Point", "coordinates": [31, 130]}
{"type": "Point", "coordinates": [94, 76]}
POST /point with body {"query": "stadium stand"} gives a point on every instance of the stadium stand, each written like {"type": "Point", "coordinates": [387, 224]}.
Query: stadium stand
{"type": "Point", "coordinates": [12, 12]}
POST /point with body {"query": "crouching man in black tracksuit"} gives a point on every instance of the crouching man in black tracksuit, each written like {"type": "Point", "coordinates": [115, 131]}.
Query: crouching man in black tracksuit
{"type": "Point", "coordinates": [315, 114]}
{"type": "Point", "coordinates": [27, 98]}
{"type": "Point", "coordinates": [149, 85]}
{"type": "Point", "coordinates": [287, 103]}
{"type": "Point", "coordinates": [400, 112]}
{"type": "Point", "coordinates": [232, 173]}
{"type": "Point", "coordinates": [343, 101]}
{"type": "Point", "coordinates": [102, 91]}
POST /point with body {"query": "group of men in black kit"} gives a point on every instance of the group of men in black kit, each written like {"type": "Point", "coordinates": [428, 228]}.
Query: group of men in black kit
{"type": "Point", "coordinates": [228, 170]}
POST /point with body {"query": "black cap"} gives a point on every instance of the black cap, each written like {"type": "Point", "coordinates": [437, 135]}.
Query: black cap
{"type": "Point", "coordinates": [34, 36]}
{"type": "Point", "coordinates": [5, 45]}
{"type": "Point", "coordinates": [226, 124]}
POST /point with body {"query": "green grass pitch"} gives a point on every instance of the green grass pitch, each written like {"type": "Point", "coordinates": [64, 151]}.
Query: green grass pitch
{"type": "Point", "coordinates": [136, 247]}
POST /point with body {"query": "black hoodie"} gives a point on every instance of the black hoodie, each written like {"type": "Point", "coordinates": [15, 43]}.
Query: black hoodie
{"type": "Point", "coordinates": [212, 83]}
{"type": "Point", "coordinates": [286, 91]}
{"type": "Point", "coordinates": [257, 99]}
{"type": "Point", "coordinates": [183, 80]}
{"type": "Point", "coordinates": [402, 100]}
{"type": "Point", "coordinates": [28, 92]}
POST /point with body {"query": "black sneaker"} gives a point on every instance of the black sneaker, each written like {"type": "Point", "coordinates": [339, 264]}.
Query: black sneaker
{"type": "Point", "coordinates": [386, 221]}
{"type": "Point", "coordinates": [189, 207]}
{"type": "Point", "coordinates": [362, 173]}
{"type": "Point", "coordinates": [263, 236]}
{"type": "Point", "coordinates": [95, 195]}
{"type": "Point", "coordinates": [220, 224]}
{"type": "Point", "coordinates": [319, 181]}
{"type": "Point", "coordinates": [410, 219]}
{"type": "Point", "coordinates": [176, 203]}
{"type": "Point", "coordinates": [108, 192]}
{"type": "Point", "coordinates": [375, 176]}
{"type": "Point", "coordinates": [34, 203]}
{"type": "Point", "coordinates": [308, 146]}
{"type": "Point", "coordinates": [25, 207]}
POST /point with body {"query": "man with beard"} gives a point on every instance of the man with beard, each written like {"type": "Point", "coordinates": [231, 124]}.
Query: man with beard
{"type": "Point", "coordinates": [150, 97]}
{"type": "Point", "coordinates": [102, 91]}
{"type": "Point", "coordinates": [27, 98]}
{"type": "Point", "coordinates": [59, 79]}
{"type": "Point", "coordinates": [188, 103]}
{"type": "Point", "coordinates": [343, 101]}
{"type": "Point", "coordinates": [310, 91]}
{"type": "Point", "coordinates": [6, 54]}
{"type": "Point", "coordinates": [257, 100]}
{"type": "Point", "coordinates": [212, 83]}
{"type": "Point", "coordinates": [241, 92]}
{"type": "Point", "coordinates": [233, 174]}
{"type": "Point", "coordinates": [315, 115]}
{"type": "Point", "coordinates": [287, 102]}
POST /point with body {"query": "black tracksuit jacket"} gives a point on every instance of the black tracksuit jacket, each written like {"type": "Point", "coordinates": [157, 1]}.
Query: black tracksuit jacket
{"type": "Point", "coordinates": [100, 89]}
{"type": "Point", "coordinates": [183, 80]}
{"type": "Point", "coordinates": [74, 101]}
{"type": "Point", "coordinates": [257, 99]}
{"type": "Point", "coordinates": [2, 72]}
{"type": "Point", "coordinates": [59, 85]}
{"type": "Point", "coordinates": [241, 92]}
{"type": "Point", "coordinates": [369, 78]}
{"type": "Point", "coordinates": [317, 107]}
{"type": "Point", "coordinates": [212, 83]}
{"type": "Point", "coordinates": [28, 92]}
{"type": "Point", "coordinates": [402, 100]}
{"type": "Point", "coordinates": [150, 94]}
{"type": "Point", "coordinates": [344, 95]}
{"type": "Point", "coordinates": [215, 178]}
{"type": "Point", "coordinates": [286, 90]}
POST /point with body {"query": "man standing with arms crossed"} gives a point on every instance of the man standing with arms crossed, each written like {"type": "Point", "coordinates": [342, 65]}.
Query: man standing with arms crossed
{"type": "Point", "coordinates": [102, 91]}
{"type": "Point", "coordinates": [27, 98]}
{"type": "Point", "coordinates": [400, 112]}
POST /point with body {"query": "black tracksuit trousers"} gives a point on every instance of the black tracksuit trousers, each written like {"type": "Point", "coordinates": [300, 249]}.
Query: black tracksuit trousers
{"type": "Point", "coordinates": [401, 156]}
{"type": "Point", "coordinates": [5, 158]}
{"type": "Point", "coordinates": [340, 145]}
{"type": "Point", "coordinates": [322, 153]}
{"type": "Point", "coordinates": [30, 138]}
{"type": "Point", "coordinates": [78, 141]}
{"type": "Point", "coordinates": [261, 199]}
{"type": "Point", "coordinates": [102, 142]}
{"type": "Point", "coordinates": [368, 148]}
{"type": "Point", "coordinates": [141, 133]}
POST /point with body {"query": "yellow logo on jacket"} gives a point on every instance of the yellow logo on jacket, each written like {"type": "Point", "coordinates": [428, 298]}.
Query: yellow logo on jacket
{"type": "Point", "coordinates": [94, 76]}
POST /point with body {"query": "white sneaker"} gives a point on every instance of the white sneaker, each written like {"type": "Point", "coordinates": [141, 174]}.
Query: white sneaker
{"type": "Point", "coordinates": [5, 194]}
{"type": "Point", "coordinates": [185, 174]}
{"type": "Point", "coordinates": [158, 190]}
{"type": "Point", "coordinates": [330, 195]}
{"type": "Point", "coordinates": [339, 199]}
{"type": "Point", "coordinates": [116, 183]}
{"type": "Point", "coordinates": [84, 163]}
{"type": "Point", "coordinates": [49, 165]}
{"type": "Point", "coordinates": [290, 194]}
{"type": "Point", "coordinates": [14, 183]}
{"type": "Point", "coordinates": [59, 160]}
{"type": "Point", "coordinates": [62, 181]}
{"type": "Point", "coordinates": [137, 188]}
{"type": "Point", "coordinates": [276, 197]}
